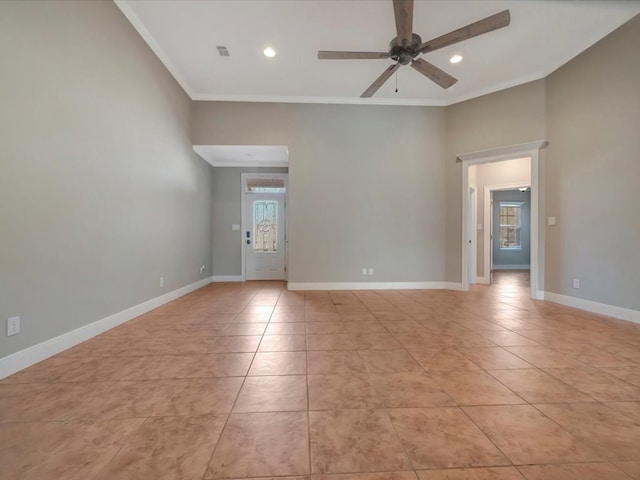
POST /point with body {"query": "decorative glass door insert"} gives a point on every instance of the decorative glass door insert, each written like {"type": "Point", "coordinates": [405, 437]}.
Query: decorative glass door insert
{"type": "Point", "coordinates": [265, 226]}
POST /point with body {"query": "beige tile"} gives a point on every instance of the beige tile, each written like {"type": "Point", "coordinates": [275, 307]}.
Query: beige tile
{"type": "Point", "coordinates": [336, 341]}
{"type": "Point", "coordinates": [338, 361]}
{"type": "Point", "coordinates": [612, 435]}
{"type": "Point", "coordinates": [443, 438]}
{"type": "Point", "coordinates": [285, 393]}
{"type": "Point", "coordinates": [494, 358]}
{"type": "Point", "coordinates": [320, 328]}
{"type": "Point", "coordinates": [527, 436]}
{"type": "Point", "coordinates": [475, 388]}
{"type": "Point", "coordinates": [374, 340]}
{"type": "Point", "coordinates": [389, 361]}
{"type": "Point", "coordinates": [536, 386]}
{"type": "Point", "coordinates": [630, 468]}
{"type": "Point", "coordinates": [507, 339]}
{"type": "Point", "coordinates": [167, 448]}
{"type": "Point", "coordinates": [236, 344]}
{"type": "Point", "coordinates": [354, 441]}
{"type": "Point", "coordinates": [628, 374]}
{"type": "Point", "coordinates": [262, 445]}
{"type": "Point", "coordinates": [630, 409]}
{"type": "Point", "coordinates": [443, 360]}
{"type": "Point", "coordinates": [368, 476]}
{"type": "Point", "coordinates": [576, 471]}
{"type": "Point", "coordinates": [341, 391]}
{"type": "Point", "coordinates": [407, 389]}
{"type": "Point", "coordinates": [279, 363]}
{"type": "Point", "coordinates": [286, 328]}
{"type": "Point", "coordinates": [596, 383]}
{"type": "Point", "coordinates": [56, 450]}
{"type": "Point", "coordinates": [245, 329]}
{"type": "Point", "coordinates": [370, 326]}
{"type": "Point", "coordinates": [282, 343]}
{"type": "Point", "coordinates": [544, 357]}
{"type": "Point", "coordinates": [495, 473]}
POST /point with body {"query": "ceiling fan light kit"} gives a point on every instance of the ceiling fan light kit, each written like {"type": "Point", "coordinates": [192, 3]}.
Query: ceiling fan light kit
{"type": "Point", "coordinates": [406, 46]}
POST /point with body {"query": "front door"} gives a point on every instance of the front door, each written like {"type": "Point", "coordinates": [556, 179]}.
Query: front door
{"type": "Point", "coordinates": [264, 236]}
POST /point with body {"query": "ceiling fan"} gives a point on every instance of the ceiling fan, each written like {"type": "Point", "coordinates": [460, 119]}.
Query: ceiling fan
{"type": "Point", "coordinates": [404, 48]}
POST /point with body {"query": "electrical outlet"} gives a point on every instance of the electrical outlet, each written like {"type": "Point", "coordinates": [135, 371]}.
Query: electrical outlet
{"type": "Point", "coordinates": [161, 282]}
{"type": "Point", "coordinates": [371, 271]}
{"type": "Point", "coordinates": [576, 283]}
{"type": "Point", "coordinates": [13, 326]}
{"type": "Point", "coordinates": [202, 269]}
{"type": "Point", "coordinates": [364, 271]}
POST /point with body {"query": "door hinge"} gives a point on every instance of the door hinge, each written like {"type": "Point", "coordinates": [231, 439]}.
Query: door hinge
{"type": "Point", "coordinates": [285, 269]}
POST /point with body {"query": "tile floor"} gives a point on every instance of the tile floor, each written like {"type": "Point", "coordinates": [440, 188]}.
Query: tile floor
{"type": "Point", "coordinates": [252, 381]}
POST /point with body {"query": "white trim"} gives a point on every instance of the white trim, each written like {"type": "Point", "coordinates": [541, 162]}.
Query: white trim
{"type": "Point", "coordinates": [227, 278]}
{"type": "Point", "coordinates": [473, 234]}
{"type": "Point", "coordinates": [594, 307]}
{"type": "Point", "coordinates": [29, 356]}
{"type": "Point", "coordinates": [509, 152]}
{"type": "Point", "coordinates": [133, 18]}
{"type": "Point", "coordinates": [482, 280]}
{"type": "Point", "coordinates": [407, 102]}
{"type": "Point", "coordinates": [374, 286]}
{"type": "Point", "coordinates": [512, 267]}
{"type": "Point", "coordinates": [205, 154]}
{"type": "Point", "coordinates": [499, 154]}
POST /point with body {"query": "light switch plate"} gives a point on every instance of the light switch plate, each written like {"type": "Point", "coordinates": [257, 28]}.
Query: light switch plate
{"type": "Point", "coordinates": [551, 221]}
{"type": "Point", "coordinates": [235, 226]}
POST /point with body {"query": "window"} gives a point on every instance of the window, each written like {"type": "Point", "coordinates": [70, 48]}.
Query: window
{"type": "Point", "coordinates": [510, 217]}
{"type": "Point", "coordinates": [265, 228]}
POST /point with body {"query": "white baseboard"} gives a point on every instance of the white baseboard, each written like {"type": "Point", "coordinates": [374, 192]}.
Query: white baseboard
{"type": "Point", "coordinates": [29, 356]}
{"type": "Point", "coordinates": [482, 280]}
{"type": "Point", "coordinates": [511, 267]}
{"type": "Point", "coordinates": [595, 307]}
{"type": "Point", "coordinates": [227, 278]}
{"type": "Point", "coordinates": [373, 285]}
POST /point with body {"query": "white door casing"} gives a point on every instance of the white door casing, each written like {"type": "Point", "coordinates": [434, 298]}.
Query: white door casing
{"type": "Point", "coordinates": [261, 261]}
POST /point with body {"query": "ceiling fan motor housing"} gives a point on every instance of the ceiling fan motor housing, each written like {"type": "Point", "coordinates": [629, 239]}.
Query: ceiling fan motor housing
{"type": "Point", "coordinates": [404, 55]}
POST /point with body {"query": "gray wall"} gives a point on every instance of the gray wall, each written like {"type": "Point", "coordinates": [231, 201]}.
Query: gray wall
{"type": "Point", "coordinates": [366, 184]}
{"type": "Point", "coordinates": [227, 210]}
{"type": "Point", "coordinates": [100, 191]}
{"type": "Point", "coordinates": [593, 162]}
{"type": "Point", "coordinates": [512, 116]}
{"type": "Point", "coordinates": [510, 258]}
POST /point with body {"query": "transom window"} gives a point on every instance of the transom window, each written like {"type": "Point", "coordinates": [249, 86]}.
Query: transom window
{"type": "Point", "coordinates": [510, 222]}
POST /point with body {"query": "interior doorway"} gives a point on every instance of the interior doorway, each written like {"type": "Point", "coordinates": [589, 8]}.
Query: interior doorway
{"type": "Point", "coordinates": [264, 226]}
{"type": "Point", "coordinates": [530, 151]}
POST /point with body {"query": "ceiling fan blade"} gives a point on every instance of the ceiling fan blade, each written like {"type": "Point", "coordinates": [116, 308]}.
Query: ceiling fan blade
{"type": "Point", "coordinates": [486, 25]}
{"type": "Point", "coordinates": [380, 81]}
{"type": "Point", "coordinates": [403, 12]}
{"type": "Point", "coordinates": [329, 55]}
{"type": "Point", "coordinates": [433, 73]}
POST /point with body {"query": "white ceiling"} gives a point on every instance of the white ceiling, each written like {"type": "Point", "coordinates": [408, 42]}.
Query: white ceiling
{"type": "Point", "coordinates": [244, 155]}
{"type": "Point", "coordinates": [543, 35]}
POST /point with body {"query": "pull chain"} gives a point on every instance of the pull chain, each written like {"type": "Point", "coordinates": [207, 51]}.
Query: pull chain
{"type": "Point", "coordinates": [396, 82]}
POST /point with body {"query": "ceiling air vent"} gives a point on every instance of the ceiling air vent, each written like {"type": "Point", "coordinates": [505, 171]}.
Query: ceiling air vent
{"type": "Point", "coordinates": [222, 50]}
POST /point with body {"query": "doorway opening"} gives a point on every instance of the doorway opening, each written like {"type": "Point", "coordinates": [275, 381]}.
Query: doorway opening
{"type": "Point", "coordinates": [473, 230]}
{"type": "Point", "coordinates": [264, 226]}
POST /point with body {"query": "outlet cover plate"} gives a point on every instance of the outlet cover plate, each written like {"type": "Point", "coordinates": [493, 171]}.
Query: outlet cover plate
{"type": "Point", "coordinates": [13, 326]}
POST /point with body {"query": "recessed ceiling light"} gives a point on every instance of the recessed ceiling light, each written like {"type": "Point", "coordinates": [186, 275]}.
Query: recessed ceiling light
{"type": "Point", "coordinates": [454, 59]}
{"type": "Point", "coordinates": [269, 52]}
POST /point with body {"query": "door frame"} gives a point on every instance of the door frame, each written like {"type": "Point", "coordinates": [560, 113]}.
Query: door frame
{"type": "Point", "coordinates": [473, 234]}
{"type": "Point", "coordinates": [244, 221]}
{"type": "Point", "coordinates": [511, 152]}
{"type": "Point", "coordinates": [489, 219]}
